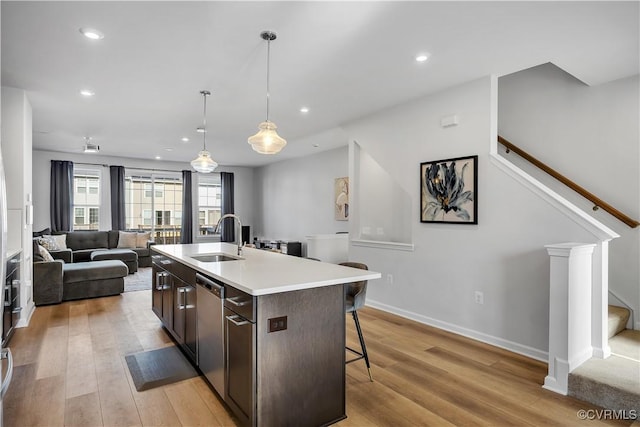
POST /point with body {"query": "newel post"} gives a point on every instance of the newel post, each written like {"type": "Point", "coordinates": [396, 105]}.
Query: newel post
{"type": "Point", "coordinates": [569, 311]}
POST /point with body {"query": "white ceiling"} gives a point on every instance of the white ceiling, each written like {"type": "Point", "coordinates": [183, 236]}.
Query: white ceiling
{"type": "Point", "coordinates": [343, 60]}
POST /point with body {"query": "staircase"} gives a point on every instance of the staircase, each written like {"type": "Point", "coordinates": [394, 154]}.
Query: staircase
{"type": "Point", "coordinates": [612, 383]}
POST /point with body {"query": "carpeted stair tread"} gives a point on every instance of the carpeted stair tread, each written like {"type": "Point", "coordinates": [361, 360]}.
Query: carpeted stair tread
{"type": "Point", "coordinates": [618, 318]}
{"type": "Point", "coordinates": [626, 344]}
{"type": "Point", "coordinates": [612, 383]}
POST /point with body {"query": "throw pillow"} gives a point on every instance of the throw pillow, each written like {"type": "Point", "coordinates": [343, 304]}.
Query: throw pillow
{"type": "Point", "coordinates": [127, 239]}
{"type": "Point", "coordinates": [49, 243]}
{"type": "Point", "coordinates": [44, 253]}
{"type": "Point", "coordinates": [36, 252]}
{"type": "Point", "coordinates": [61, 241]}
{"type": "Point", "coordinates": [142, 239]}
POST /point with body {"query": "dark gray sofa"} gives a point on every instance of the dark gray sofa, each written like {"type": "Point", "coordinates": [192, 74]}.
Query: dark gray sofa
{"type": "Point", "coordinates": [82, 243]}
{"type": "Point", "coordinates": [57, 281]}
{"type": "Point", "coordinates": [73, 275]}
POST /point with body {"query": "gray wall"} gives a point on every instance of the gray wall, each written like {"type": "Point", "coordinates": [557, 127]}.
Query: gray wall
{"type": "Point", "coordinates": [243, 180]}
{"type": "Point", "coordinates": [295, 198]}
{"type": "Point", "coordinates": [591, 135]}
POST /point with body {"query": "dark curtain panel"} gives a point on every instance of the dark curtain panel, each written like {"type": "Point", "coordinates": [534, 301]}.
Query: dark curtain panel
{"type": "Point", "coordinates": [61, 195]}
{"type": "Point", "coordinates": [186, 231]}
{"type": "Point", "coordinates": [118, 221]}
{"type": "Point", "coordinates": [228, 234]}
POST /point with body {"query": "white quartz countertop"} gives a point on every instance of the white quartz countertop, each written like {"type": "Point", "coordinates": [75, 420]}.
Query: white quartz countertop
{"type": "Point", "coordinates": [261, 272]}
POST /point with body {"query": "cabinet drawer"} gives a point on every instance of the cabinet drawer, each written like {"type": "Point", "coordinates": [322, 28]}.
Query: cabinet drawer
{"type": "Point", "coordinates": [241, 302]}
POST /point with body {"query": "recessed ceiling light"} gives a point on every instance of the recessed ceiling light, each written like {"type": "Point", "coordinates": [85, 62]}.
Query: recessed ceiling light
{"type": "Point", "coordinates": [200, 130]}
{"type": "Point", "coordinates": [92, 33]}
{"type": "Point", "coordinates": [304, 110]}
{"type": "Point", "coordinates": [87, 92]}
{"type": "Point", "coordinates": [422, 57]}
{"type": "Point", "coordinates": [184, 139]}
{"type": "Point", "coordinates": [158, 157]}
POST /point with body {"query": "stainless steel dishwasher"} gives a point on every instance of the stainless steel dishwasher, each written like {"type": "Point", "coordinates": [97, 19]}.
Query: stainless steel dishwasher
{"type": "Point", "coordinates": [210, 294]}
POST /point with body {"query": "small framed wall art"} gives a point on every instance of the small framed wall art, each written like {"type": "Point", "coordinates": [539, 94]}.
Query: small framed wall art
{"type": "Point", "coordinates": [449, 191]}
{"type": "Point", "coordinates": [341, 197]}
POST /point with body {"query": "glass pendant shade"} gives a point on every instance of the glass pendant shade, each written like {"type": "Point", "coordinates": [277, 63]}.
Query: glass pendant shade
{"type": "Point", "coordinates": [267, 140]}
{"type": "Point", "coordinates": [204, 163]}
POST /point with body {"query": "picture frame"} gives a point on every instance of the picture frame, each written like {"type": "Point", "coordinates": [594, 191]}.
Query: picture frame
{"type": "Point", "coordinates": [341, 198]}
{"type": "Point", "coordinates": [449, 191]}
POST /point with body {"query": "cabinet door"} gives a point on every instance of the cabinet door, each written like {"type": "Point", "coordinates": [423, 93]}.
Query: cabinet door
{"type": "Point", "coordinates": [179, 307]}
{"type": "Point", "coordinates": [158, 279]}
{"type": "Point", "coordinates": [190, 320]}
{"type": "Point", "coordinates": [240, 361]}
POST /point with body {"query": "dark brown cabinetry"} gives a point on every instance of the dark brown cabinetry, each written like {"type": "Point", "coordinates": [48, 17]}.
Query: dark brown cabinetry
{"type": "Point", "coordinates": [11, 309]}
{"type": "Point", "coordinates": [174, 301]}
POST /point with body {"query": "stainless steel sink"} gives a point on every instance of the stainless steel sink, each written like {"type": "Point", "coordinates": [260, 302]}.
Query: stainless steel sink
{"type": "Point", "coordinates": [214, 257]}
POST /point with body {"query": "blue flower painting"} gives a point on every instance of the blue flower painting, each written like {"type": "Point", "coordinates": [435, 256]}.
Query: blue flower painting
{"type": "Point", "coordinates": [449, 190]}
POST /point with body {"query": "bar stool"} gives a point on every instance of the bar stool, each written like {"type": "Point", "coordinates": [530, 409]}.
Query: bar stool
{"type": "Point", "coordinates": [355, 294]}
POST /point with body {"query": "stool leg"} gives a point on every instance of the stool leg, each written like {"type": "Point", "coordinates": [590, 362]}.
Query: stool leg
{"type": "Point", "coordinates": [362, 344]}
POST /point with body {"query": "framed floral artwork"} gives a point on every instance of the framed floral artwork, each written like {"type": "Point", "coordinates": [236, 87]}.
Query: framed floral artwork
{"type": "Point", "coordinates": [341, 197]}
{"type": "Point", "coordinates": [449, 191]}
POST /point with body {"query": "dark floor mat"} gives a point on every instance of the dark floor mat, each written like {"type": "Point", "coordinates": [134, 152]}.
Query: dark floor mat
{"type": "Point", "coordinates": [156, 368]}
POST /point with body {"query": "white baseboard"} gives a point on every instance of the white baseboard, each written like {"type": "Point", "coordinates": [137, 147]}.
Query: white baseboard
{"type": "Point", "coordinates": [25, 316]}
{"type": "Point", "coordinates": [531, 352]}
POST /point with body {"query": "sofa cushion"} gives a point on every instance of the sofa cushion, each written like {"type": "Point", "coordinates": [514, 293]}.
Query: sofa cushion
{"type": "Point", "coordinates": [142, 252]}
{"type": "Point", "coordinates": [87, 240]}
{"type": "Point", "coordinates": [94, 270]}
{"type": "Point", "coordinates": [42, 233]}
{"type": "Point", "coordinates": [113, 236]}
{"type": "Point", "coordinates": [142, 239]}
{"type": "Point", "coordinates": [127, 239]}
{"type": "Point", "coordinates": [84, 255]}
{"type": "Point", "coordinates": [121, 254]}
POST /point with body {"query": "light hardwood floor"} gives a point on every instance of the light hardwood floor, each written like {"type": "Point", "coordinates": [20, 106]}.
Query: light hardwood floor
{"type": "Point", "coordinates": [70, 370]}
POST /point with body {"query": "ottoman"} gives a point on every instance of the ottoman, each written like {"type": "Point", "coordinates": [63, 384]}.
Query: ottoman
{"type": "Point", "coordinates": [129, 257]}
{"type": "Point", "coordinates": [93, 279]}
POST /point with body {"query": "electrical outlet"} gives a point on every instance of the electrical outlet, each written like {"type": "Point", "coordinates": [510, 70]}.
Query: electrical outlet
{"type": "Point", "coordinates": [390, 279]}
{"type": "Point", "coordinates": [277, 324]}
{"type": "Point", "coordinates": [479, 297]}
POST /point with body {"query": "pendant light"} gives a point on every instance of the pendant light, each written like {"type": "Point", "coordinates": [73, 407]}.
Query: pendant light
{"type": "Point", "coordinates": [204, 163]}
{"type": "Point", "coordinates": [267, 140]}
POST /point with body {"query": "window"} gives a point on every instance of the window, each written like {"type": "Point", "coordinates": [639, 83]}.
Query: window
{"type": "Point", "coordinates": [209, 203]}
{"type": "Point", "coordinates": [78, 216]}
{"type": "Point", "coordinates": [93, 216]}
{"type": "Point", "coordinates": [154, 202]}
{"type": "Point", "coordinates": [86, 199]}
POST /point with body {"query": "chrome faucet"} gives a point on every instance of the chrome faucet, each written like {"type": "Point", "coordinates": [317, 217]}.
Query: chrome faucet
{"type": "Point", "coordinates": [238, 231]}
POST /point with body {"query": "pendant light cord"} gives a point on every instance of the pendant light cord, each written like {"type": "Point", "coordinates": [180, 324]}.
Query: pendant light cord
{"type": "Point", "coordinates": [268, 67]}
{"type": "Point", "coordinates": [204, 122]}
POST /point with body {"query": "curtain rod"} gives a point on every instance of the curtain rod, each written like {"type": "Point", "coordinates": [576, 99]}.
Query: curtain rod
{"type": "Point", "coordinates": [139, 169]}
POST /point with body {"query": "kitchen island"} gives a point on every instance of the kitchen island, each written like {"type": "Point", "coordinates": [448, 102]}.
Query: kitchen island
{"type": "Point", "coordinates": [282, 328]}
